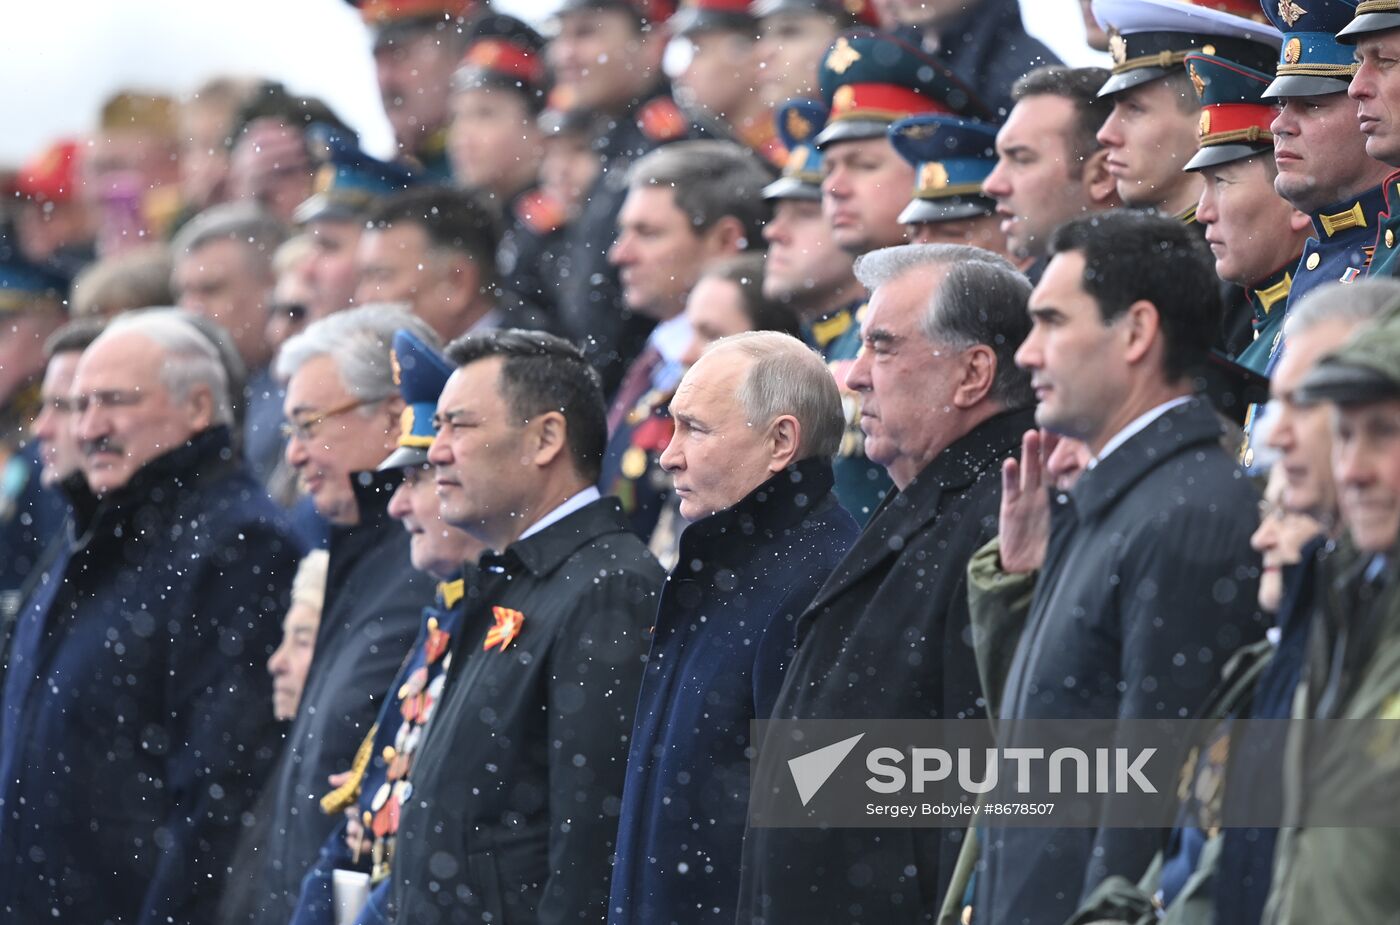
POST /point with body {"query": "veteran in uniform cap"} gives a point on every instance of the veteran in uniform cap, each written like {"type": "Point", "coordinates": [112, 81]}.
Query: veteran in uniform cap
{"type": "Point", "coordinates": [952, 158]}
{"type": "Point", "coordinates": [806, 269]}
{"type": "Point", "coordinates": [379, 781]}
{"type": "Point", "coordinates": [348, 184]}
{"type": "Point", "coordinates": [1353, 664]}
{"type": "Point", "coordinates": [868, 81]}
{"type": "Point", "coordinates": [1375, 33]}
{"type": "Point", "coordinates": [417, 46]}
{"type": "Point", "coordinates": [1255, 236]}
{"type": "Point", "coordinates": [1323, 166]}
{"type": "Point", "coordinates": [1152, 131]}
{"type": "Point", "coordinates": [793, 36]}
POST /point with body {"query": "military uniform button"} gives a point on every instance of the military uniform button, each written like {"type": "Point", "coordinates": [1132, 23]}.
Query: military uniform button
{"type": "Point", "coordinates": [1390, 237]}
{"type": "Point", "coordinates": [1313, 260]}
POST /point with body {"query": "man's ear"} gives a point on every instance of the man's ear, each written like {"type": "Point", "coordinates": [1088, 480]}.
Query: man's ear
{"type": "Point", "coordinates": [549, 436]}
{"type": "Point", "coordinates": [979, 372]}
{"type": "Point", "coordinates": [1142, 330]}
{"type": "Point", "coordinates": [1099, 184]}
{"type": "Point", "coordinates": [201, 403]}
{"type": "Point", "coordinates": [726, 236]}
{"type": "Point", "coordinates": [784, 440]}
{"type": "Point", "coordinates": [1299, 221]}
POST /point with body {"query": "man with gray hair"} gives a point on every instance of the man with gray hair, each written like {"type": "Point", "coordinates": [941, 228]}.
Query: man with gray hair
{"type": "Point", "coordinates": [223, 272]}
{"type": "Point", "coordinates": [343, 412]}
{"type": "Point", "coordinates": [758, 418]}
{"type": "Point", "coordinates": [134, 703]}
{"type": "Point", "coordinates": [887, 635]}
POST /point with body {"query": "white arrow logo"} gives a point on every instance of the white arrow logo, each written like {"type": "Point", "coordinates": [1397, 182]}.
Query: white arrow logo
{"type": "Point", "coordinates": [811, 770]}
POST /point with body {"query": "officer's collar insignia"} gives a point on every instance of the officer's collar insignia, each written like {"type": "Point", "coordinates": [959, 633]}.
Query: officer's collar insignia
{"type": "Point", "coordinates": [828, 329]}
{"type": "Point", "coordinates": [1271, 295]}
{"type": "Point", "coordinates": [450, 592]}
{"type": "Point", "coordinates": [842, 56]}
{"type": "Point", "coordinates": [1354, 217]}
{"type": "Point", "coordinates": [1290, 12]}
{"type": "Point", "coordinates": [508, 623]}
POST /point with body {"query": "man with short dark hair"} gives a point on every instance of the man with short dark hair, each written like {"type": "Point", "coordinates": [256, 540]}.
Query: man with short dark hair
{"type": "Point", "coordinates": [434, 250]}
{"type": "Point", "coordinates": [1050, 166]}
{"type": "Point", "coordinates": [758, 418]}
{"type": "Point", "coordinates": [1127, 306]}
{"type": "Point", "coordinates": [544, 686]}
{"type": "Point", "coordinates": [941, 331]}
{"type": "Point", "coordinates": [135, 704]}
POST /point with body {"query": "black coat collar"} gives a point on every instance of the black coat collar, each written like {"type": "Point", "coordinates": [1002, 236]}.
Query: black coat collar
{"type": "Point", "coordinates": [543, 552]}
{"type": "Point", "coordinates": [778, 504]}
{"type": "Point", "coordinates": [1187, 426]}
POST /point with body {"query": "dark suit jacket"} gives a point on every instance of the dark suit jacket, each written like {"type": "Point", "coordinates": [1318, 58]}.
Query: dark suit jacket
{"type": "Point", "coordinates": [513, 812]}
{"type": "Point", "coordinates": [1148, 587]}
{"type": "Point", "coordinates": [886, 637]}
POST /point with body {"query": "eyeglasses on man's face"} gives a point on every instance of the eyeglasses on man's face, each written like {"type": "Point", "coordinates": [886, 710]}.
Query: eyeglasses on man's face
{"type": "Point", "coordinates": [305, 428]}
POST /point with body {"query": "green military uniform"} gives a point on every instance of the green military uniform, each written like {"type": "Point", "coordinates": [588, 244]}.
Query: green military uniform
{"type": "Point", "coordinates": [1326, 874]}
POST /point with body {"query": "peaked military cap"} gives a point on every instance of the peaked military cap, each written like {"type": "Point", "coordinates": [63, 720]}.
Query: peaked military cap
{"type": "Point", "coordinates": [1371, 16]}
{"type": "Point", "coordinates": [420, 372]}
{"type": "Point", "coordinates": [1235, 119]}
{"type": "Point", "coordinates": [798, 123]}
{"type": "Point", "coordinates": [393, 21]}
{"type": "Point", "coordinates": [705, 15]}
{"type": "Point", "coordinates": [870, 79]}
{"type": "Point", "coordinates": [855, 12]}
{"type": "Point", "coordinates": [1312, 61]}
{"type": "Point", "coordinates": [1149, 39]}
{"type": "Point", "coordinates": [348, 181]}
{"type": "Point", "coordinates": [503, 52]}
{"type": "Point", "coordinates": [1365, 369]}
{"type": "Point", "coordinates": [24, 284]}
{"type": "Point", "coordinates": [951, 158]}
{"type": "Point", "coordinates": [53, 174]}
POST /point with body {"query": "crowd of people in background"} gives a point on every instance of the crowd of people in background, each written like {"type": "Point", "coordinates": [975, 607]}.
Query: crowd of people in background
{"type": "Point", "coordinates": [416, 540]}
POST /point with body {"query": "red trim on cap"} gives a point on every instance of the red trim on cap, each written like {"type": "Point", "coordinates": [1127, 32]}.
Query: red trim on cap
{"type": "Point", "coordinates": [380, 12]}
{"type": "Point", "coordinates": [503, 57]}
{"type": "Point", "coordinates": [884, 101]}
{"type": "Point", "coordinates": [1240, 117]}
{"type": "Point", "coordinates": [717, 6]}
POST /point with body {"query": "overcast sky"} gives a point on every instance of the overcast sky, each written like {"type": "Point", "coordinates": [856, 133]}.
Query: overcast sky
{"type": "Point", "coordinates": [58, 61]}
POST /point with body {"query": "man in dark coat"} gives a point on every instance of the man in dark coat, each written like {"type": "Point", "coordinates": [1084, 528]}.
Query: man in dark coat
{"type": "Point", "coordinates": [1149, 552]}
{"type": "Point", "coordinates": [752, 468]}
{"type": "Point", "coordinates": [887, 635]}
{"type": "Point", "coordinates": [513, 810]}
{"type": "Point", "coordinates": [134, 709]}
{"type": "Point", "coordinates": [344, 415]}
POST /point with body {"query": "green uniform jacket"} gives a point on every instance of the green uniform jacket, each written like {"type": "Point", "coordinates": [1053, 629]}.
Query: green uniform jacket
{"type": "Point", "coordinates": [1344, 874]}
{"type": "Point", "coordinates": [1388, 232]}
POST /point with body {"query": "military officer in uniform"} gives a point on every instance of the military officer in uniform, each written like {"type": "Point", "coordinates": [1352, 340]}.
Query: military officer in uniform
{"type": "Point", "coordinates": [1375, 33]}
{"type": "Point", "coordinates": [378, 782]}
{"type": "Point", "coordinates": [952, 158]}
{"type": "Point", "coordinates": [1323, 166]}
{"type": "Point", "coordinates": [806, 269]}
{"type": "Point", "coordinates": [1151, 132]}
{"type": "Point", "coordinates": [417, 44]}
{"type": "Point", "coordinates": [495, 142]}
{"type": "Point", "coordinates": [1255, 235]}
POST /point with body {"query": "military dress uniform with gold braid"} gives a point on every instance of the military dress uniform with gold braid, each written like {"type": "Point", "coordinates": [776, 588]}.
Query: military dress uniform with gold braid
{"type": "Point", "coordinates": [1343, 248]}
{"type": "Point", "coordinates": [379, 780]}
{"type": "Point", "coordinates": [1387, 246]}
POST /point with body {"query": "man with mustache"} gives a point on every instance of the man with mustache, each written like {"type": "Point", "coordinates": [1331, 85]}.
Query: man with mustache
{"type": "Point", "coordinates": [134, 709]}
